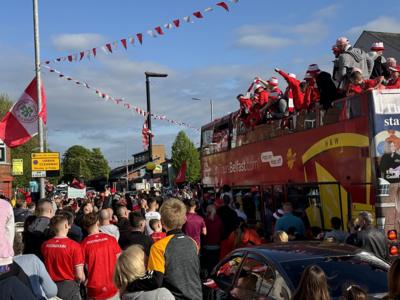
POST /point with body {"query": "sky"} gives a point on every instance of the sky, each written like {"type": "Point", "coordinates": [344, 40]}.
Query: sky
{"type": "Point", "coordinates": [212, 58]}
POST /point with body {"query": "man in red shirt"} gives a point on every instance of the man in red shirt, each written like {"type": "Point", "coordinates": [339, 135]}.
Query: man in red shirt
{"type": "Point", "coordinates": [100, 251]}
{"type": "Point", "coordinates": [194, 225]}
{"type": "Point", "coordinates": [63, 259]}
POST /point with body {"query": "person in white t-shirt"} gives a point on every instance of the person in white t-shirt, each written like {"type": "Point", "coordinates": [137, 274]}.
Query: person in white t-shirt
{"type": "Point", "coordinates": [151, 213]}
{"type": "Point", "coordinates": [106, 226]}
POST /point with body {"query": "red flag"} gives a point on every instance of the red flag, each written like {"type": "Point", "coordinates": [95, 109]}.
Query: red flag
{"type": "Point", "coordinates": [123, 42]}
{"type": "Point", "coordinates": [176, 22]}
{"type": "Point", "coordinates": [139, 37]}
{"type": "Point", "coordinates": [77, 184]}
{"type": "Point", "coordinates": [20, 124]}
{"type": "Point", "coordinates": [82, 55]}
{"type": "Point", "coordinates": [145, 135]}
{"type": "Point", "coordinates": [70, 58]}
{"type": "Point", "coordinates": [198, 15]}
{"type": "Point", "coordinates": [159, 30]}
{"type": "Point", "coordinates": [223, 5]}
{"type": "Point", "coordinates": [94, 52]}
{"type": "Point", "coordinates": [181, 176]}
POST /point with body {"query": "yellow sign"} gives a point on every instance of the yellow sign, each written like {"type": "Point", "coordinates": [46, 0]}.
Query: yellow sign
{"type": "Point", "coordinates": [17, 167]}
{"type": "Point", "coordinates": [49, 161]}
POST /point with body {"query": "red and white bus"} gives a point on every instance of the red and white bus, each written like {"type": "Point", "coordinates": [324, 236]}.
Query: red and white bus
{"type": "Point", "coordinates": [336, 164]}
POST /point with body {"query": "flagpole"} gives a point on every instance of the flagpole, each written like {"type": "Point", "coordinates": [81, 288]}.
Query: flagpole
{"type": "Point", "coordinates": [38, 84]}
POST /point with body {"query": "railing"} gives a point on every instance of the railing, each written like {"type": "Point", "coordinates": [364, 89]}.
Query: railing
{"type": "Point", "coordinates": [342, 109]}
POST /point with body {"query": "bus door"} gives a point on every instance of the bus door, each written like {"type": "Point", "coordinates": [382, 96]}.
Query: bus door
{"type": "Point", "coordinates": [317, 203]}
{"type": "Point", "coordinates": [272, 198]}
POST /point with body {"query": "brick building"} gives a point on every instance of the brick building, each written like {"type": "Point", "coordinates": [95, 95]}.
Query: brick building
{"type": "Point", "coordinates": [5, 170]}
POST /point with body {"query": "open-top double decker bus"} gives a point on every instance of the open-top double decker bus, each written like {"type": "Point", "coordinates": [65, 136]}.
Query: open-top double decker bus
{"type": "Point", "coordinates": [338, 164]}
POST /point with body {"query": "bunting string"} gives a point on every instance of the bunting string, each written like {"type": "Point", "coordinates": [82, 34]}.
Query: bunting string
{"type": "Point", "coordinates": [120, 101]}
{"type": "Point", "coordinates": [137, 39]}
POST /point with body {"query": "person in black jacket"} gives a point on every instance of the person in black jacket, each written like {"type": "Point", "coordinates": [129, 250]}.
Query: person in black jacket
{"type": "Point", "coordinates": [325, 85]}
{"type": "Point", "coordinates": [380, 67]}
{"type": "Point", "coordinates": [136, 236]}
{"type": "Point", "coordinates": [368, 237]}
{"type": "Point", "coordinates": [11, 277]}
{"type": "Point", "coordinates": [36, 228]}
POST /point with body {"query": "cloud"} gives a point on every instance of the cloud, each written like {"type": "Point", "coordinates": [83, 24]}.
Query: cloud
{"type": "Point", "coordinates": [262, 41]}
{"type": "Point", "coordinates": [267, 37]}
{"type": "Point", "coordinates": [382, 24]}
{"type": "Point", "coordinates": [77, 41]}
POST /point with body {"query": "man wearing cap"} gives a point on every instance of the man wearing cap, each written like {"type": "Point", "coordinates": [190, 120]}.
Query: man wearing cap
{"type": "Point", "coordinates": [376, 54]}
{"type": "Point", "coordinates": [325, 85]}
{"type": "Point", "coordinates": [350, 58]}
{"type": "Point", "coordinates": [259, 103]}
{"type": "Point", "coordinates": [276, 105]}
{"type": "Point", "coordinates": [294, 86]}
{"type": "Point", "coordinates": [394, 80]}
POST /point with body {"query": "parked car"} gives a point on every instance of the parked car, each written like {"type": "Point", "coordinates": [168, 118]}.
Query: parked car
{"type": "Point", "coordinates": [273, 271]}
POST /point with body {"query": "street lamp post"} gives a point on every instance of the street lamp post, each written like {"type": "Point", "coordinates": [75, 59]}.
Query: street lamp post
{"type": "Point", "coordinates": [211, 107]}
{"type": "Point", "coordinates": [148, 75]}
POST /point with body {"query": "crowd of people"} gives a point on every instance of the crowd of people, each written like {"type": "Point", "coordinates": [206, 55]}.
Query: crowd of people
{"type": "Point", "coordinates": [148, 245]}
{"type": "Point", "coordinates": [354, 71]}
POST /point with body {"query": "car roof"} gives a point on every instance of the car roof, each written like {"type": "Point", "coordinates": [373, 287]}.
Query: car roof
{"type": "Point", "coordinates": [291, 251]}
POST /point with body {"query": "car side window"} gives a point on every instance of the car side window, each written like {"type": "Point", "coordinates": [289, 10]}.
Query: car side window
{"type": "Point", "coordinates": [255, 281]}
{"type": "Point", "coordinates": [225, 273]}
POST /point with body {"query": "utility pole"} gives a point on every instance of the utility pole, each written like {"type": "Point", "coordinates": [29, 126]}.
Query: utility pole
{"type": "Point", "coordinates": [211, 109]}
{"type": "Point", "coordinates": [148, 75]}
{"type": "Point", "coordinates": [38, 84]}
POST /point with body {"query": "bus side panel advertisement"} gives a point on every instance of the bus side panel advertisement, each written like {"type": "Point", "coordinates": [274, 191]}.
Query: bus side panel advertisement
{"type": "Point", "coordinates": [386, 151]}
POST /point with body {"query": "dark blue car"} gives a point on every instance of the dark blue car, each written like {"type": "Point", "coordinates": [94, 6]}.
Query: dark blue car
{"type": "Point", "coordinates": [273, 271]}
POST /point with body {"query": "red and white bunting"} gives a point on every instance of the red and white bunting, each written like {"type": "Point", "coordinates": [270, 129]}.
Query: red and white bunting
{"type": "Point", "coordinates": [111, 47]}
{"type": "Point", "coordinates": [119, 101]}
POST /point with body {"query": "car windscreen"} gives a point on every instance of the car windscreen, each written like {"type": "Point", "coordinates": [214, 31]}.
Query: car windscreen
{"type": "Point", "coordinates": [364, 270]}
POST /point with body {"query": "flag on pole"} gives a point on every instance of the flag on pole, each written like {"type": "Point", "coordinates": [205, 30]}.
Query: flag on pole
{"type": "Point", "coordinates": [20, 124]}
{"type": "Point", "coordinates": [181, 176]}
{"type": "Point", "coordinates": [145, 135]}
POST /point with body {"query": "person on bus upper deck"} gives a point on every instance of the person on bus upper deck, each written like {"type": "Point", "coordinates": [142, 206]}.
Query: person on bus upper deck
{"type": "Point", "coordinates": [294, 85]}
{"type": "Point", "coordinates": [325, 85]}
{"type": "Point", "coordinates": [336, 53]}
{"type": "Point", "coordinates": [311, 94]}
{"type": "Point", "coordinates": [350, 58]}
{"type": "Point", "coordinates": [259, 104]}
{"type": "Point", "coordinates": [245, 105]}
{"type": "Point", "coordinates": [359, 84]}
{"type": "Point", "coordinates": [289, 220]}
{"type": "Point", "coordinates": [380, 68]}
{"type": "Point", "coordinates": [394, 80]}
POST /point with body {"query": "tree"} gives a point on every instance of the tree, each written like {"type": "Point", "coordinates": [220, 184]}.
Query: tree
{"type": "Point", "coordinates": [183, 149]}
{"type": "Point", "coordinates": [79, 161]}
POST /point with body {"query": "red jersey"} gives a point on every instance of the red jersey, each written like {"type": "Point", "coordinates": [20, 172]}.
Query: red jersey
{"type": "Point", "coordinates": [61, 256]}
{"type": "Point", "coordinates": [364, 86]}
{"type": "Point", "coordinates": [393, 83]}
{"type": "Point", "coordinates": [262, 98]}
{"type": "Point", "coordinates": [294, 84]}
{"type": "Point", "coordinates": [245, 103]}
{"type": "Point", "coordinates": [156, 236]}
{"type": "Point", "coordinates": [100, 251]}
{"type": "Point", "coordinates": [249, 237]}
{"type": "Point", "coordinates": [311, 95]}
